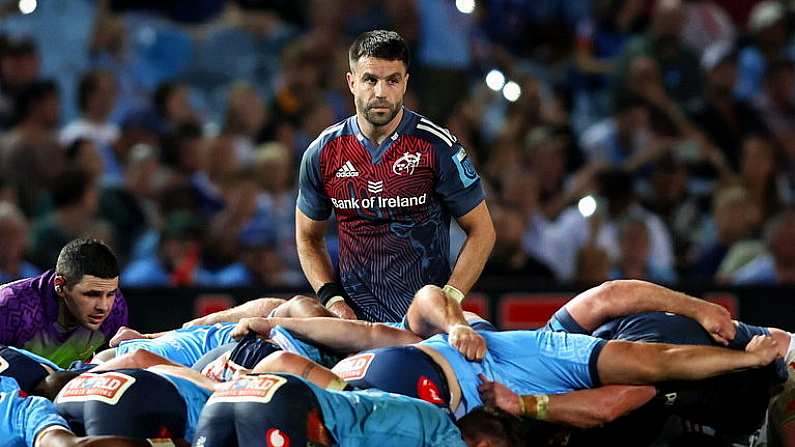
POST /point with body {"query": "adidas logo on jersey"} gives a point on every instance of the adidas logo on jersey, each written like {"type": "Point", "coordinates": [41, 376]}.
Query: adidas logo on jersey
{"type": "Point", "coordinates": [347, 170]}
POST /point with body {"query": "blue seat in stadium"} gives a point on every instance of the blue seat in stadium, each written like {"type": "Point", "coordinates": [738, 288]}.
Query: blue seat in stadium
{"type": "Point", "coordinates": [164, 50]}
{"type": "Point", "coordinates": [226, 54]}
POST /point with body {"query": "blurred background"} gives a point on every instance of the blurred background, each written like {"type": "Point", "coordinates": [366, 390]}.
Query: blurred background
{"type": "Point", "coordinates": [649, 139]}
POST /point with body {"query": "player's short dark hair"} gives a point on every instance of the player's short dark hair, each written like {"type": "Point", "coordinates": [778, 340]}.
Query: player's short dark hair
{"type": "Point", "coordinates": [380, 44]}
{"type": "Point", "coordinates": [86, 257]}
{"type": "Point", "coordinates": [89, 83]}
{"type": "Point", "coordinates": [502, 428]}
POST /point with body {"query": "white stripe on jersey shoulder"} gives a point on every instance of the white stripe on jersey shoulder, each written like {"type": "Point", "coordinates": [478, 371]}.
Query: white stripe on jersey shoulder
{"type": "Point", "coordinates": [328, 130]}
{"type": "Point", "coordinates": [440, 135]}
{"type": "Point", "coordinates": [428, 122]}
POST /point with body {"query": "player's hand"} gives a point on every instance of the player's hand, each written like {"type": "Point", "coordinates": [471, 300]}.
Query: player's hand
{"type": "Point", "coordinates": [124, 333]}
{"type": "Point", "coordinates": [259, 325]}
{"type": "Point", "coordinates": [467, 341]}
{"type": "Point", "coordinates": [342, 310]}
{"type": "Point", "coordinates": [495, 394]}
{"type": "Point", "coordinates": [718, 322]}
{"type": "Point", "coordinates": [764, 348]}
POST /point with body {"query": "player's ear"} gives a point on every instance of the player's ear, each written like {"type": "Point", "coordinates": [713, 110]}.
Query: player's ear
{"type": "Point", "coordinates": [59, 282]}
{"type": "Point", "coordinates": [350, 78]}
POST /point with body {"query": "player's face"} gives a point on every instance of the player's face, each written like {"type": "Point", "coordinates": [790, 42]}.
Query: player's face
{"type": "Point", "coordinates": [89, 302]}
{"type": "Point", "coordinates": [378, 86]}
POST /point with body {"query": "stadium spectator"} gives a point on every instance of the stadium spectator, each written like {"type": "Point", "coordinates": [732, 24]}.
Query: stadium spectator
{"type": "Point", "coordinates": [706, 23]}
{"type": "Point", "coordinates": [759, 175]}
{"type": "Point", "coordinates": [725, 119]}
{"type": "Point", "coordinates": [274, 163]}
{"type": "Point", "coordinates": [735, 217]}
{"type": "Point", "coordinates": [617, 139]}
{"type": "Point", "coordinates": [776, 103]}
{"type": "Point", "coordinates": [96, 94]}
{"type": "Point", "coordinates": [30, 149]}
{"type": "Point", "coordinates": [777, 266]}
{"type": "Point", "coordinates": [768, 29]}
{"type": "Point", "coordinates": [633, 260]}
{"type": "Point", "coordinates": [508, 258]}
{"type": "Point", "coordinates": [243, 209]}
{"type": "Point", "coordinates": [621, 201]}
{"type": "Point", "coordinates": [82, 154]}
{"type": "Point", "coordinates": [444, 55]}
{"type": "Point", "coordinates": [183, 153]}
{"type": "Point", "coordinates": [75, 203]}
{"type": "Point", "coordinates": [599, 42]}
{"type": "Point", "coordinates": [222, 160]}
{"type": "Point", "coordinates": [67, 313]}
{"type": "Point", "coordinates": [245, 118]}
{"type": "Point", "coordinates": [260, 264]}
{"type": "Point", "coordinates": [178, 260]}
{"type": "Point", "coordinates": [130, 208]}
{"type": "Point", "coordinates": [13, 243]}
{"type": "Point", "coordinates": [663, 43]}
{"type": "Point", "coordinates": [20, 65]}
{"type": "Point", "coordinates": [371, 234]}
{"type": "Point", "coordinates": [592, 265]}
{"type": "Point", "coordinates": [172, 106]}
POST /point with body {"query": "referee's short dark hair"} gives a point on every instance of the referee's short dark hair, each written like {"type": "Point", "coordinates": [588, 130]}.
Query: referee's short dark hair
{"type": "Point", "coordinates": [86, 257]}
{"type": "Point", "coordinates": [379, 44]}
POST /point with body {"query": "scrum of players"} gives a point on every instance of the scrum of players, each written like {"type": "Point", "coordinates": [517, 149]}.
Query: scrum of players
{"type": "Point", "coordinates": [615, 363]}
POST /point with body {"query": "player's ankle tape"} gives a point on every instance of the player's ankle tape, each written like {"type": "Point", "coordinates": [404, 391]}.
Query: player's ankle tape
{"type": "Point", "coordinates": [161, 442]}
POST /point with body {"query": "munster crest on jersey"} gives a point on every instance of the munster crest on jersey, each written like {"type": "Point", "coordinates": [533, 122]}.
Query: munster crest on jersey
{"type": "Point", "coordinates": [406, 163]}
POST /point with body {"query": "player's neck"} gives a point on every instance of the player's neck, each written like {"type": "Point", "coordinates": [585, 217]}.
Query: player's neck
{"type": "Point", "coordinates": [65, 319]}
{"type": "Point", "coordinates": [378, 134]}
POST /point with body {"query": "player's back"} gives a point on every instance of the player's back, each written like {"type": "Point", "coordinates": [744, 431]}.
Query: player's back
{"type": "Point", "coordinates": [528, 362]}
{"type": "Point", "coordinates": [195, 397]}
{"type": "Point", "coordinates": [23, 418]}
{"type": "Point", "coordinates": [659, 327]}
{"type": "Point", "coordinates": [374, 418]}
{"type": "Point", "coordinates": [184, 346]}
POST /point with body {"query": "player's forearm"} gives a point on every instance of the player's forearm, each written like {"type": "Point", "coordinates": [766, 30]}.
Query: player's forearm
{"type": "Point", "coordinates": [434, 312]}
{"type": "Point", "coordinates": [592, 408]}
{"type": "Point", "coordinates": [613, 299]}
{"type": "Point", "coordinates": [315, 260]}
{"type": "Point", "coordinates": [476, 250]}
{"type": "Point", "coordinates": [674, 362]}
{"type": "Point", "coordinates": [471, 262]}
{"type": "Point", "coordinates": [259, 307]}
{"type": "Point", "coordinates": [344, 336]}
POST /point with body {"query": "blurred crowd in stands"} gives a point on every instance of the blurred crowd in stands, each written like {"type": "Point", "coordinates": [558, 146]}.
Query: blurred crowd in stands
{"type": "Point", "coordinates": [173, 131]}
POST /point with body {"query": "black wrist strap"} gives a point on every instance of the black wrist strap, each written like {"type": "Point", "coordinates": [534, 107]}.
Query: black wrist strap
{"type": "Point", "coordinates": [328, 291]}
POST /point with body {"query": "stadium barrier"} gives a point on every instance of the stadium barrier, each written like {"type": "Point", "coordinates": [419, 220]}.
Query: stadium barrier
{"type": "Point", "coordinates": [508, 303]}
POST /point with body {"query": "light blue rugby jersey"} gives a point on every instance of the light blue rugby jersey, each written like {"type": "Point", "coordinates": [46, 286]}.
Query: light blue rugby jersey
{"type": "Point", "coordinates": [374, 418]}
{"type": "Point", "coordinates": [184, 346]}
{"type": "Point", "coordinates": [527, 362]}
{"type": "Point", "coordinates": [290, 343]}
{"type": "Point", "coordinates": [23, 418]}
{"type": "Point", "coordinates": [195, 397]}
